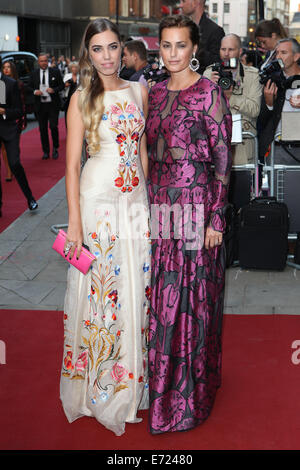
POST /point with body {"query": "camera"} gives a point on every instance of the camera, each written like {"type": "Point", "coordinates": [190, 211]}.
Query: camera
{"type": "Point", "coordinates": [225, 81]}
{"type": "Point", "coordinates": [154, 73]}
{"type": "Point", "coordinates": [274, 72]}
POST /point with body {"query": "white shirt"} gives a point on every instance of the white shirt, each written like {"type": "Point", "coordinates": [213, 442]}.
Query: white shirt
{"type": "Point", "coordinates": [46, 77]}
{"type": "Point", "coordinates": [45, 98]}
{"type": "Point", "coordinates": [286, 106]}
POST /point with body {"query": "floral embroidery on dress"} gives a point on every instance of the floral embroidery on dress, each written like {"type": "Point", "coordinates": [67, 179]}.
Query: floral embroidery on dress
{"type": "Point", "coordinates": [100, 342]}
{"type": "Point", "coordinates": [99, 353]}
{"type": "Point", "coordinates": [127, 121]}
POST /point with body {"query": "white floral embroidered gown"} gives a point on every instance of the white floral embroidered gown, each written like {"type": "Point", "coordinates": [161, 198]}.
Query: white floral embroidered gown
{"type": "Point", "coordinates": [104, 369]}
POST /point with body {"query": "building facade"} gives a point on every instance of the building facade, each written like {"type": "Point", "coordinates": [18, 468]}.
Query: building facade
{"type": "Point", "coordinates": [232, 15]}
{"type": "Point", "coordinates": [57, 26]}
{"type": "Point", "coordinates": [294, 30]}
{"type": "Point", "coordinates": [136, 17]}
{"type": "Point", "coordinates": [241, 16]}
{"type": "Point", "coordinates": [278, 9]}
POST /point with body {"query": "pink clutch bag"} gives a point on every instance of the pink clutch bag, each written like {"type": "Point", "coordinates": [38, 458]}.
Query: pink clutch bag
{"type": "Point", "coordinates": [83, 263]}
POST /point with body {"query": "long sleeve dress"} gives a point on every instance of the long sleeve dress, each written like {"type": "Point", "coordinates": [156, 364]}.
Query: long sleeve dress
{"type": "Point", "coordinates": [104, 368]}
{"type": "Point", "coordinates": [189, 135]}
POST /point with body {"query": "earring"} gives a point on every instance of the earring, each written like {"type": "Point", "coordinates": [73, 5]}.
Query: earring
{"type": "Point", "coordinates": [194, 63]}
{"type": "Point", "coordinates": [119, 69]}
{"type": "Point", "coordinates": [94, 72]}
{"type": "Point", "coordinates": [160, 63]}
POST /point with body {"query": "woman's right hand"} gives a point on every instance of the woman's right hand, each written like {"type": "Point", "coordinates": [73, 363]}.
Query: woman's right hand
{"type": "Point", "coordinates": [74, 240]}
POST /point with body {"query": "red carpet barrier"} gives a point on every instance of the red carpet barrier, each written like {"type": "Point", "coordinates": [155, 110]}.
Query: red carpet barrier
{"type": "Point", "coordinates": [42, 175]}
{"type": "Point", "coordinates": [257, 407]}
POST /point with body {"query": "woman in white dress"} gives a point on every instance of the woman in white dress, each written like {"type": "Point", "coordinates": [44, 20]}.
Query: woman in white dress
{"type": "Point", "coordinates": [104, 369]}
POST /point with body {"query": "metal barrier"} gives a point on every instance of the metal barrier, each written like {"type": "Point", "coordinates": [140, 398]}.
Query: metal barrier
{"type": "Point", "coordinates": [251, 166]}
{"type": "Point", "coordinates": [277, 174]}
{"type": "Point", "coordinates": [249, 176]}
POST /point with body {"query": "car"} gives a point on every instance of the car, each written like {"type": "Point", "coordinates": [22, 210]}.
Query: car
{"type": "Point", "coordinates": [25, 62]}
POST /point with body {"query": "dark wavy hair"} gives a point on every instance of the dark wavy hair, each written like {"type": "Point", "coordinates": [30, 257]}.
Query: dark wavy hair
{"type": "Point", "coordinates": [13, 68]}
{"type": "Point", "coordinates": [266, 28]}
{"type": "Point", "coordinates": [180, 21]}
{"type": "Point", "coordinates": [90, 101]}
{"type": "Point", "coordinates": [136, 46]}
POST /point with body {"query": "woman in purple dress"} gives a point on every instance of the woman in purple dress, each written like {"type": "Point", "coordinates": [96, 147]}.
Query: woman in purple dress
{"type": "Point", "coordinates": [189, 134]}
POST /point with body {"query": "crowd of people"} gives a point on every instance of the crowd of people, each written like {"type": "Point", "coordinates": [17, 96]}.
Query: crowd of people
{"type": "Point", "coordinates": [52, 85]}
{"type": "Point", "coordinates": [143, 327]}
{"type": "Point", "coordinates": [12, 122]}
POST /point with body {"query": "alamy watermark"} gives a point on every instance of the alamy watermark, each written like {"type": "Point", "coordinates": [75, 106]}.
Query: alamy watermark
{"type": "Point", "coordinates": [296, 354]}
{"type": "Point", "coordinates": [137, 220]}
{"type": "Point", "coordinates": [163, 221]}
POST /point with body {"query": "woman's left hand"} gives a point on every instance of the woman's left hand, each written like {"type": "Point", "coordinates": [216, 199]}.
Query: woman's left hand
{"type": "Point", "coordinates": [212, 238]}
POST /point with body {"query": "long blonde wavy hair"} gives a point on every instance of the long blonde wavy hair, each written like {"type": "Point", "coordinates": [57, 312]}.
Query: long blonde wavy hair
{"type": "Point", "coordinates": [90, 100]}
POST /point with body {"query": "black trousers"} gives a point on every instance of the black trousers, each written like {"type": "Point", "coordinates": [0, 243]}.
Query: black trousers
{"type": "Point", "coordinates": [11, 139]}
{"type": "Point", "coordinates": [48, 113]}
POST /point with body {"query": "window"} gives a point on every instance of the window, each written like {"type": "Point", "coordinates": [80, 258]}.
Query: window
{"type": "Point", "coordinates": [226, 7]}
{"type": "Point", "coordinates": [226, 28]}
{"type": "Point", "coordinates": [124, 8]}
{"type": "Point", "coordinates": [24, 66]}
{"type": "Point", "coordinates": [146, 8]}
{"type": "Point", "coordinates": [215, 8]}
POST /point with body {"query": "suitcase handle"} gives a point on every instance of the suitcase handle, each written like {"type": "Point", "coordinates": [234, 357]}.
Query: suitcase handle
{"type": "Point", "coordinates": [264, 199]}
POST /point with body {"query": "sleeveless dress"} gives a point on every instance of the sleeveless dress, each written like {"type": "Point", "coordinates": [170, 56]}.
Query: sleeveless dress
{"type": "Point", "coordinates": [106, 311]}
{"type": "Point", "coordinates": [189, 135]}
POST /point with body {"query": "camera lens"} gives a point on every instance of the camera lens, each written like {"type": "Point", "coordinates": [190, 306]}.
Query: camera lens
{"type": "Point", "coordinates": [225, 83]}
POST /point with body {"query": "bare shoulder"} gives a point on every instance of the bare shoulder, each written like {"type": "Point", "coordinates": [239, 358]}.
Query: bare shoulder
{"type": "Point", "coordinates": [74, 113]}
{"type": "Point", "coordinates": [139, 85]}
{"type": "Point", "coordinates": [73, 106]}
{"type": "Point", "coordinates": [144, 91]}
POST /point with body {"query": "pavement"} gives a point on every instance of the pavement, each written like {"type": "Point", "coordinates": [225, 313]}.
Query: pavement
{"type": "Point", "coordinates": [33, 276]}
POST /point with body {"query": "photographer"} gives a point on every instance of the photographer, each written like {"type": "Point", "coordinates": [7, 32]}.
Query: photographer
{"type": "Point", "coordinates": [209, 31]}
{"type": "Point", "coordinates": [243, 91]}
{"type": "Point", "coordinates": [135, 57]}
{"type": "Point", "coordinates": [267, 34]}
{"type": "Point", "coordinates": [280, 94]}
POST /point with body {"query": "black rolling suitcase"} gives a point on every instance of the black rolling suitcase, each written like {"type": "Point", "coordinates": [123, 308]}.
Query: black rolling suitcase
{"type": "Point", "coordinates": [263, 234]}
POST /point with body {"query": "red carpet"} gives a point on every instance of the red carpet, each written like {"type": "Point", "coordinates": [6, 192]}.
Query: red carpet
{"type": "Point", "coordinates": [42, 175]}
{"type": "Point", "coordinates": [258, 406]}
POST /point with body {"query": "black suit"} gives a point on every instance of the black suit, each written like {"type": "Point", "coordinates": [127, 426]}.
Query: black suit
{"type": "Point", "coordinates": [10, 136]}
{"type": "Point", "coordinates": [210, 41]}
{"type": "Point", "coordinates": [268, 122]}
{"type": "Point", "coordinates": [47, 112]}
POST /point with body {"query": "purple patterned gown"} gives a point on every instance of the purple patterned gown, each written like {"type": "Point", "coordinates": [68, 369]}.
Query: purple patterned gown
{"type": "Point", "coordinates": [189, 135]}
